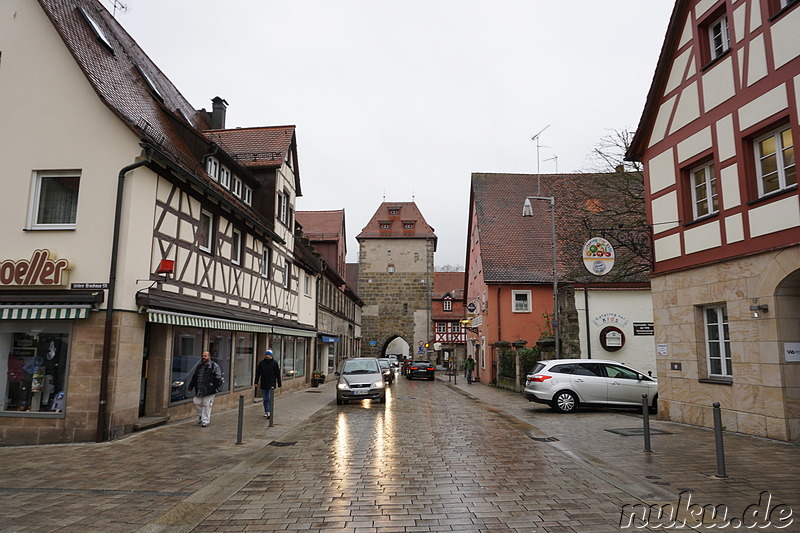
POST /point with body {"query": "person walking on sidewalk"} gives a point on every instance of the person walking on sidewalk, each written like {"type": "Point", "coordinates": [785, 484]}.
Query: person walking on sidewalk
{"type": "Point", "coordinates": [206, 381]}
{"type": "Point", "coordinates": [268, 374]}
{"type": "Point", "coordinates": [469, 366]}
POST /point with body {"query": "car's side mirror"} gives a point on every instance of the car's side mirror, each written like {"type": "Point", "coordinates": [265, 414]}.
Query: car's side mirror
{"type": "Point", "coordinates": [336, 373]}
{"type": "Point", "coordinates": [640, 377]}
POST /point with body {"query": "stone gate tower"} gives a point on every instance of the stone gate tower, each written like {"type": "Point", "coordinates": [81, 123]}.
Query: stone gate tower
{"type": "Point", "coordinates": [395, 278]}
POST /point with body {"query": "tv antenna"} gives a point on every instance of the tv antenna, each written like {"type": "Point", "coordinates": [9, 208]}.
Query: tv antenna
{"type": "Point", "coordinates": [554, 158]}
{"type": "Point", "coordinates": [538, 173]}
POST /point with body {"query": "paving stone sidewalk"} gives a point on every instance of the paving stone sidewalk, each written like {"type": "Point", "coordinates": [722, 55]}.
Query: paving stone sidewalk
{"type": "Point", "coordinates": [762, 474]}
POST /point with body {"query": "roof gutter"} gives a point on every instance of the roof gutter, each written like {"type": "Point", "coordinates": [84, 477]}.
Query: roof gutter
{"type": "Point", "coordinates": [102, 423]}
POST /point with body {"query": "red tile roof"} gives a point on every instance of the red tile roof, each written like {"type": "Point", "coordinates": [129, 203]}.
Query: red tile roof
{"type": "Point", "coordinates": [256, 147]}
{"type": "Point", "coordinates": [407, 213]}
{"type": "Point", "coordinates": [448, 282]}
{"type": "Point", "coordinates": [517, 249]}
{"type": "Point", "coordinates": [322, 225]}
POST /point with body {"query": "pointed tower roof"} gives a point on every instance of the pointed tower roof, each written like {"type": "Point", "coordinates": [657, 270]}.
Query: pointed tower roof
{"type": "Point", "coordinates": [398, 220]}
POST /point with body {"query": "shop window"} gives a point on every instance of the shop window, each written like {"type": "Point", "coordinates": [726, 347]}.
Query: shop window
{"type": "Point", "coordinates": [219, 346]}
{"type": "Point", "coordinates": [522, 301]}
{"type": "Point", "coordinates": [36, 363]}
{"type": "Point", "coordinates": [243, 352]}
{"type": "Point", "coordinates": [775, 164]}
{"type": "Point", "coordinates": [717, 341]}
{"type": "Point", "coordinates": [703, 182]}
{"type": "Point", "coordinates": [55, 200]}
{"type": "Point", "coordinates": [186, 350]}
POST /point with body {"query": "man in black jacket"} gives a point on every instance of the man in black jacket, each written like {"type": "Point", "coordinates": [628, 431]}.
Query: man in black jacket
{"type": "Point", "coordinates": [206, 381]}
{"type": "Point", "coordinates": [268, 374]}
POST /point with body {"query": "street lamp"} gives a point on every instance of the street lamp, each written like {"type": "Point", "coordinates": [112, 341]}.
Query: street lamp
{"type": "Point", "coordinates": [527, 211]}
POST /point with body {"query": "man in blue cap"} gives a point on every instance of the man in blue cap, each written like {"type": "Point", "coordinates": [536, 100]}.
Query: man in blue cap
{"type": "Point", "coordinates": [268, 374]}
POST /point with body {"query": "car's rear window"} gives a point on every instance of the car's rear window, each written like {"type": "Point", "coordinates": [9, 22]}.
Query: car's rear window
{"type": "Point", "coordinates": [563, 369]}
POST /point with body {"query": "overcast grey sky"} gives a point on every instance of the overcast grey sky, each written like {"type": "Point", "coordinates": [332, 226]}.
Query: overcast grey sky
{"type": "Point", "coordinates": [404, 100]}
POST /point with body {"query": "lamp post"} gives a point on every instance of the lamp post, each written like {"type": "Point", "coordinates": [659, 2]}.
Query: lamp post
{"type": "Point", "coordinates": [527, 211]}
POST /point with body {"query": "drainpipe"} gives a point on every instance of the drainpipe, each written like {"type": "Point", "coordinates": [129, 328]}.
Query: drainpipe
{"type": "Point", "coordinates": [102, 426]}
{"type": "Point", "coordinates": [588, 323]}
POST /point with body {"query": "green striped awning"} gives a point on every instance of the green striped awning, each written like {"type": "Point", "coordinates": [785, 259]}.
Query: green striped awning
{"type": "Point", "coordinates": [196, 321]}
{"type": "Point", "coordinates": [43, 312]}
{"type": "Point", "coordinates": [292, 331]}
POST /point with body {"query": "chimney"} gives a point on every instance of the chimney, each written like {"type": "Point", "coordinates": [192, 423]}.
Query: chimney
{"type": "Point", "coordinates": [218, 107]}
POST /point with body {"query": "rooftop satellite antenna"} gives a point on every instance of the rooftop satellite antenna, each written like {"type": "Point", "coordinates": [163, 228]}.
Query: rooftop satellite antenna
{"type": "Point", "coordinates": [538, 174]}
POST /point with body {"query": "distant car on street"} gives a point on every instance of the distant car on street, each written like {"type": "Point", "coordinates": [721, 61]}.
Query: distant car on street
{"type": "Point", "coordinates": [420, 370]}
{"type": "Point", "coordinates": [360, 378]}
{"type": "Point", "coordinates": [393, 360]}
{"type": "Point", "coordinates": [566, 384]}
{"type": "Point", "coordinates": [386, 368]}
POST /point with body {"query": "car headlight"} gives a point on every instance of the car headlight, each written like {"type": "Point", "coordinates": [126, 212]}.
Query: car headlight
{"type": "Point", "coordinates": [177, 383]}
{"type": "Point", "coordinates": [342, 385]}
{"type": "Point", "coordinates": [378, 384]}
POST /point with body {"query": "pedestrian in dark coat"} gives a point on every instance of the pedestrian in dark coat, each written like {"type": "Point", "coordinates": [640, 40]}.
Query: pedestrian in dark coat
{"type": "Point", "coordinates": [206, 381]}
{"type": "Point", "coordinates": [268, 375]}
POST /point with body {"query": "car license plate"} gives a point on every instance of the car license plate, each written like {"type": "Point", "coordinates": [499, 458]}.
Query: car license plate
{"type": "Point", "coordinates": [361, 391]}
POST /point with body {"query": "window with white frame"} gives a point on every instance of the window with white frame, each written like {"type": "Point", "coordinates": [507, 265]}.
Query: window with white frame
{"type": "Point", "coordinates": [247, 195]}
{"type": "Point", "coordinates": [237, 187]}
{"type": "Point", "coordinates": [718, 37]}
{"type": "Point", "coordinates": [521, 301]}
{"type": "Point", "coordinates": [775, 165]}
{"type": "Point", "coordinates": [266, 261]}
{"type": "Point", "coordinates": [205, 231]}
{"type": "Point", "coordinates": [287, 275]}
{"type": "Point", "coordinates": [306, 284]}
{"type": "Point", "coordinates": [704, 190]}
{"type": "Point", "coordinates": [54, 200]}
{"type": "Point", "coordinates": [236, 247]}
{"type": "Point", "coordinates": [455, 328]}
{"type": "Point", "coordinates": [448, 305]}
{"type": "Point", "coordinates": [282, 207]}
{"type": "Point", "coordinates": [212, 168]}
{"type": "Point", "coordinates": [441, 327]}
{"type": "Point", "coordinates": [718, 343]}
{"type": "Point", "coordinates": [390, 268]}
{"type": "Point", "coordinates": [225, 177]}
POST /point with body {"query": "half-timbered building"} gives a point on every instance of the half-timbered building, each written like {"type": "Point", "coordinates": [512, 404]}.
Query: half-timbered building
{"type": "Point", "coordinates": [447, 313]}
{"type": "Point", "coordinates": [138, 232]}
{"type": "Point", "coordinates": [717, 139]}
{"type": "Point", "coordinates": [338, 305]}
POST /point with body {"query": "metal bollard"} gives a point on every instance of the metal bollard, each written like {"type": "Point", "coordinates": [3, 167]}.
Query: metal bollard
{"type": "Point", "coordinates": [646, 421]}
{"type": "Point", "coordinates": [241, 419]}
{"type": "Point", "coordinates": [718, 440]}
{"type": "Point", "coordinates": [272, 413]}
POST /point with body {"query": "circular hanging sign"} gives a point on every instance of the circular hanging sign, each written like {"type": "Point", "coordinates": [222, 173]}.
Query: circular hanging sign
{"type": "Point", "coordinates": [598, 256]}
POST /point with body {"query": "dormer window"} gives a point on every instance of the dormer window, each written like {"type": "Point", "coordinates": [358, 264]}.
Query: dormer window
{"type": "Point", "coordinates": [247, 196]}
{"type": "Point", "coordinates": [408, 225]}
{"type": "Point", "coordinates": [212, 168]}
{"type": "Point", "coordinates": [237, 187]}
{"type": "Point", "coordinates": [384, 226]}
{"type": "Point", "coordinates": [150, 85]}
{"type": "Point", "coordinates": [393, 211]}
{"type": "Point", "coordinates": [448, 305]}
{"type": "Point", "coordinates": [225, 177]}
{"type": "Point", "coordinates": [96, 29]}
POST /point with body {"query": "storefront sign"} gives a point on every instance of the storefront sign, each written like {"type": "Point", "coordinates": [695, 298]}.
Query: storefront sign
{"type": "Point", "coordinates": [792, 351]}
{"type": "Point", "coordinates": [471, 307]}
{"type": "Point", "coordinates": [40, 269]}
{"type": "Point", "coordinates": [610, 318]}
{"type": "Point", "coordinates": [95, 286]}
{"type": "Point", "coordinates": [598, 256]}
{"type": "Point", "coordinates": [643, 328]}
